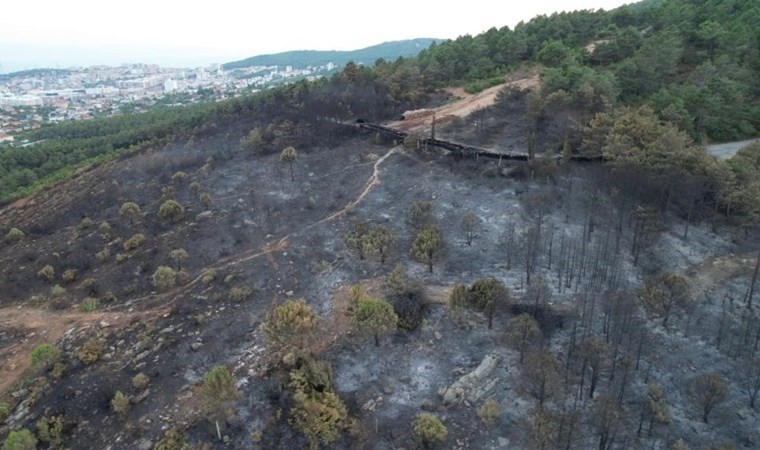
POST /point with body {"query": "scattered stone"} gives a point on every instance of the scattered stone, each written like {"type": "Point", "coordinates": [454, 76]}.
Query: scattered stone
{"type": "Point", "coordinates": [104, 324]}
{"type": "Point", "coordinates": [144, 444]}
{"type": "Point", "coordinates": [226, 439]}
{"type": "Point", "coordinates": [473, 385]}
{"type": "Point", "coordinates": [205, 215]}
{"type": "Point", "coordinates": [138, 398]}
{"type": "Point", "coordinates": [142, 355]}
{"type": "Point", "coordinates": [196, 346]}
{"type": "Point", "coordinates": [437, 335]}
{"type": "Point", "coordinates": [166, 330]}
{"type": "Point", "coordinates": [503, 442]}
{"type": "Point", "coordinates": [22, 393]}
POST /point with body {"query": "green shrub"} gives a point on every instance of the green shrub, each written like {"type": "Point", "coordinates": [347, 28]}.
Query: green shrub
{"type": "Point", "coordinates": [103, 255]}
{"type": "Point", "coordinates": [44, 356]}
{"type": "Point", "coordinates": [85, 223]}
{"type": "Point", "coordinates": [238, 294]}
{"type": "Point", "coordinates": [289, 328]}
{"type": "Point", "coordinates": [478, 86]}
{"type": "Point", "coordinates": [5, 411]}
{"type": "Point", "coordinates": [209, 276]}
{"type": "Point", "coordinates": [177, 256]}
{"type": "Point", "coordinates": [164, 278]}
{"type": "Point", "coordinates": [172, 440]}
{"type": "Point", "coordinates": [90, 351]}
{"type": "Point", "coordinates": [57, 291]}
{"type": "Point", "coordinates": [218, 393]}
{"type": "Point", "coordinates": [179, 177]}
{"type": "Point", "coordinates": [40, 387]}
{"type": "Point", "coordinates": [47, 273]}
{"type": "Point", "coordinates": [135, 242]}
{"type": "Point", "coordinates": [205, 198]}
{"type": "Point", "coordinates": [171, 211]}
{"type": "Point", "coordinates": [89, 304]}
{"type": "Point", "coordinates": [50, 430]}
{"type": "Point", "coordinates": [429, 428]}
{"type": "Point", "coordinates": [69, 275]}
{"type": "Point", "coordinates": [20, 440]}
{"type": "Point", "coordinates": [131, 210]}
{"type": "Point", "coordinates": [105, 229]}
{"type": "Point", "coordinates": [195, 187]}
{"type": "Point", "coordinates": [58, 369]}
{"type": "Point", "coordinates": [14, 235]}
{"type": "Point", "coordinates": [120, 403]}
{"type": "Point", "coordinates": [140, 381]}
{"type": "Point", "coordinates": [489, 411]}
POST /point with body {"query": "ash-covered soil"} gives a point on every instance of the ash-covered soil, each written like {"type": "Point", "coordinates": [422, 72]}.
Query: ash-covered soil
{"type": "Point", "coordinates": [283, 239]}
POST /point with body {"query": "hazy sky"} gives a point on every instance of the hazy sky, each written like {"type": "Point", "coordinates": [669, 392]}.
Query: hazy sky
{"type": "Point", "coordinates": [62, 33]}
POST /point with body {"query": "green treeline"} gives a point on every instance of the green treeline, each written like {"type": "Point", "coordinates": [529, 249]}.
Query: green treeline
{"type": "Point", "coordinates": [696, 65]}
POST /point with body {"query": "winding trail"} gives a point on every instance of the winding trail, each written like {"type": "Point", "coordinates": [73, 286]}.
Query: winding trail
{"type": "Point", "coordinates": [40, 325]}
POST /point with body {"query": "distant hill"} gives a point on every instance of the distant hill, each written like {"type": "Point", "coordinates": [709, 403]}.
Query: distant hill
{"type": "Point", "coordinates": [34, 72]}
{"type": "Point", "coordinates": [368, 56]}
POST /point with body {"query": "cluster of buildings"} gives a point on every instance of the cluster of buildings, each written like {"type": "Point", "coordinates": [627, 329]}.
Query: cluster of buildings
{"type": "Point", "coordinates": [32, 98]}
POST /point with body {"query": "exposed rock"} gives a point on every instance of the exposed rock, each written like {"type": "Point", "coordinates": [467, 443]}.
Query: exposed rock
{"type": "Point", "coordinates": [196, 346]}
{"type": "Point", "coordinates": [474, 385]}
{"type": "Point", "coordinates": [205, 215]}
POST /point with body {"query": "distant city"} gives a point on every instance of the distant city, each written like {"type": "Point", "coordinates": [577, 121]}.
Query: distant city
{"type": "Point", "coordinates": [33, 98]}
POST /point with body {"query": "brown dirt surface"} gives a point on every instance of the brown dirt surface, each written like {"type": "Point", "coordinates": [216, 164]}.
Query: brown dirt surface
{"type": "Point", "coordinates": [37, 326]}
{"type": "Point", "coordinates": [465, 103]}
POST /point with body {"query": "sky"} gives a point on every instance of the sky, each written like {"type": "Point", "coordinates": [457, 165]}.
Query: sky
{"type": "Point", "coordinates": [55, 33]}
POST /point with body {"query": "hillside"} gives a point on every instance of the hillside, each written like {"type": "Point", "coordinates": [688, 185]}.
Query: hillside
{"type": "Point", "coordinates": [493, 245]}
{"type": "Point", "coordinates": [366, 56]}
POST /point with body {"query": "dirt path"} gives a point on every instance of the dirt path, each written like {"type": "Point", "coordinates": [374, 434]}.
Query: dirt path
{"type": "Point", "coordinates": [715, 271]}
{"type": "Point", "coordinates": [32, 327]}
{"type": "Point", "coordinates": [464, 105]}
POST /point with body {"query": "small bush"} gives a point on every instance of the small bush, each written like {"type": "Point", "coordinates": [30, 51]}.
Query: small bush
{"type": "Point", "coordinates": [177, 256]}
{"type": "Point", "coordinates": [171, 211]}
{"type": "Point", "coordinates": [135, 242]}
{"type": "Point", "coordinates": [489, 411]}
{"type": "Point", "coordinates": [85, 223]}
{"type": "Point", "coordinates": [5, 411]}
{"type": "Point", "coordinates": [209, 276]}
{"type": "Point", "coordinates": [105, 229]}
{"type": "Point", "coordinates": [103, 255]}
{"type": "Point", "coordinates": [20, 440]}
{"type": "Point", "coordinates": [50, 430]}
{"type": "Point", "coordinates": [218, 393]}
{"type": "Point", "coordinates": [58, 369]}
{"type": "Point", "coordinates": [238, 294]}
{"type": "Point", "coordinates": [195, 187]}
{"type": "Point", "coordinates": [164, 278]}
{"type": "Point", "coordinates": [90, 351]}
{"type": "Point", "coordinates": [57, 291]}
{"type": "Point", "coordinates": [14, 235]}
{"type": "Point", "coordinates": [44, 356]}
{"type": "Point", "coordinates": [429, 428]}
{"type": "Point", "coordinates": [89, 304]}
{"type": "Point", "coordinates": [69, 275]}
{"type": "Point", "coordinates": [140, 381]}
{"type": "Point", "coordinates": [47, 273]}
{"type": "Point", "coordinates": [172, 440]}
{"type": "Point", "coordinates": [40, 387]}
{"type": "Point", "coordinates": [120, 403]}
{"type": "Point", "coordinates": [179, 177]}
{"type": "Point", "coordinates": [130, 209]}
{"type": "Point", "coordinates": [205, 198]}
